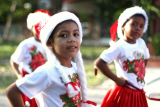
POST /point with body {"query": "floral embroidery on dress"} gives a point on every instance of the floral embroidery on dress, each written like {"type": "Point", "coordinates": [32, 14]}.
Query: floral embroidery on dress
{"type": "Point", "coordinates": [74, 101]}
{"type": "Point", "coordinates": [37, 58]}
{"type": "Point", "coordinates": [136, 66]}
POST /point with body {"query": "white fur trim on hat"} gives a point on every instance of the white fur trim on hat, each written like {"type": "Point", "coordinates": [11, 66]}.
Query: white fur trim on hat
{"type": "Point", "coordinates": [34, 18]}
{"type": "Point", "coordinates": [54, 21]}
{"type": "Point", "coordinates": [128, 13]}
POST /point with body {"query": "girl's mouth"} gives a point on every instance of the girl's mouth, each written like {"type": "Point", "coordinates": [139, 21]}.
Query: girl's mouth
{"type": "Point", "coordinates": [72, 48]}
{"type": "Point", "coordinates": [137, 34]}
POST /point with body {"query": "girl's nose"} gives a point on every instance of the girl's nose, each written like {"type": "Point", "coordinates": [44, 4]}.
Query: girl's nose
{"type": "Point", "coordinates": [138, 27]}
{"type": "Point", "coordinates": [71, 38]}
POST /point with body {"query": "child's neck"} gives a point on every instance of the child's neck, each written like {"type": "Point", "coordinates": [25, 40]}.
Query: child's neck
{"type": "Point", "coordinates": [66, 63]}
{"type": "Point", "coordinates": [131, 41]}
{"type": "Point", "coordinates": [37, 40]}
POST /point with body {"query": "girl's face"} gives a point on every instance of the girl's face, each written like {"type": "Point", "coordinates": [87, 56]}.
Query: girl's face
{"type": "Point", "coordinates": [66, 40]}
{"type": "Point", "coordinates": [133, 29]}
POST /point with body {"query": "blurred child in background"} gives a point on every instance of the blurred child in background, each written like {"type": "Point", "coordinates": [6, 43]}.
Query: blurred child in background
{"type": "Point", "coordinates": [30, 53]}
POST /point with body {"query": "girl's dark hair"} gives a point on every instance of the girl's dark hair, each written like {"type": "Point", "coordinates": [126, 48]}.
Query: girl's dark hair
{"type": "Point", "coordinates": [136, 15]}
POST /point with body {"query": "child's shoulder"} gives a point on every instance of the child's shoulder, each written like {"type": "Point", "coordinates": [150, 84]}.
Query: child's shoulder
{"type": "Point", "coordinates": [46, 68]}
{"type": "Point", "coordinates": [27, 40]}
{"type": "Point", "coordinates": [141, 41]}
{"type": "Point", "coordinates": [120, 43]}
{"type": "Point", "coordinates": [74, 64]}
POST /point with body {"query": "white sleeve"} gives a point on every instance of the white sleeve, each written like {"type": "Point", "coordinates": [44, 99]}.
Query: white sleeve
{"type": "Point", "coordinates": [146, 55]}
{"type": "Point", "coordinates": [33, 83]}
{"type": "Point", "coordinates": [110, 54]}
{"type": "Point", "coordinates": [146, 51]}
{"type": "Point", "coordinates": [18, 55]}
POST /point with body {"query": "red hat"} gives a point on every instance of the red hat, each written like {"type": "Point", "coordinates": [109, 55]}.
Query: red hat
{"type": "Point", "coordinates": [113, 30]}
{"type": "Point", "coordinates": [116, 28]}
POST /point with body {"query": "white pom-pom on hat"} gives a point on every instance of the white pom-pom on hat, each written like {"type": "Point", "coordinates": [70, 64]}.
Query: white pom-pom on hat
{"type": "Point", "coordinates": [36, 17]}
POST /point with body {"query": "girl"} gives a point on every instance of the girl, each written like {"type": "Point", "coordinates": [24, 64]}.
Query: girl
{"type": "Point", "coordinates": [59, 82]}
{"type": "Point", "coordinates": [130, 55]}
{"type": "Point", "coordinates": [30, 53]}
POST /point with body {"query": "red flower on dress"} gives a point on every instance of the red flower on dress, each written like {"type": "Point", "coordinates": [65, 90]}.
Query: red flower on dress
{"type": "Point", "coordinates": [125, 66]}
{"type": "Point", "coordinates": [140, 69]}
{"type": "Point", "coordinates": [76, 98]}
{"type": "Point", "coordinates": [136, 66]}
{"type": "Point", "coordinates": [32, 48]}
{"type": "Point", "coordinates": [37, 61]}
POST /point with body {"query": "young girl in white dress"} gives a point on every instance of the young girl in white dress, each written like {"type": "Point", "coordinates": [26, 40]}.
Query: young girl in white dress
{"type": "Point", "coordinates": [130, 55]}
{"type": "Point", "coordinates": [60, 82]}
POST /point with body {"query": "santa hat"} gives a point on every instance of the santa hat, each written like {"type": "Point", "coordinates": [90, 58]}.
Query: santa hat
{"type": "Point", "coordinates": [45, 28]}
{"type": "Point", "coordinates": [127, 14]}
{"type": "Point", "coordinates": [37, 16]}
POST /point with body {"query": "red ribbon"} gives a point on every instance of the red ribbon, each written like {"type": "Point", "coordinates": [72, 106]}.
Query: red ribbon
{"type": "Point", "coordinates": [155, 99]}
{"type": "Point", "coordinates": [90, 102]}
{"type": "Point", "coordinates": [73, 85]}
{"type": "Point", "coordinates": [128, 83]}
{"type": "Point", "coordinates": [95, 70]}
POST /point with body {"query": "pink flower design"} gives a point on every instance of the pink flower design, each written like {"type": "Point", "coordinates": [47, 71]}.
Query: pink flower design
{"type": "Point", "coordinates": [140, 69]}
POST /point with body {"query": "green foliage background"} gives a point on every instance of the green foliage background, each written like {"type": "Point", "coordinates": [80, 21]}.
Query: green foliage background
{"type": "Point", "coordinates": [156, 43]}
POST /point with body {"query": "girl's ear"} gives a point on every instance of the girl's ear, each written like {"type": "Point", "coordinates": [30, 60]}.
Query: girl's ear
{"type": "Point", "coordinates": [123, 30]}
{"type": "Point", "coordinates": [49, 43]}
{"type": "Point", "coordinates": [122, 27]}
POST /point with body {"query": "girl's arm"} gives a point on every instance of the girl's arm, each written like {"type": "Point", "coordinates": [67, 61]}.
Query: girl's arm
{"type": "Point", "coordinates": [102, 66]}
{"type": "Point", "coordinates": [15, 68]}
{"type": "Point", "coordinates": [146, 60]}
{"type": "Point", "coordinates": [14, 96]}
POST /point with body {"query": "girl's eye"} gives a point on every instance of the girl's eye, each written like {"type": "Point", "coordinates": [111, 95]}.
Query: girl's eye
{"type": "Point", "coordinates": [142, 26]}
{"type": "Point", "coordinates": [63, 35]}
{"type": "Point", "coordinates": [133, 24]}
{"type": "Point", "coordinates": [76, 34]}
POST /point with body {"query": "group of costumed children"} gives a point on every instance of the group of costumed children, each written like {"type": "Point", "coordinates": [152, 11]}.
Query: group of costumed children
{"type": "Point", "coordinates": [59, 78]}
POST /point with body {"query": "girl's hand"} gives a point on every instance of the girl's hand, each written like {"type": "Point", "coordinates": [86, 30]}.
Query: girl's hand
{"type": "Point", "coordinates": [121, 81]}
{"type": "Point", "coordinates": [19, 76]}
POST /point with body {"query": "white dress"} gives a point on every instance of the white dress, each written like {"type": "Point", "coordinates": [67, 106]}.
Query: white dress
{"type": "Point", "coordinates": [129, 60]}
{"type": "Point", "coordinates": [29, 55]}
{"type": "Point", "coordinates": [46, 85]}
